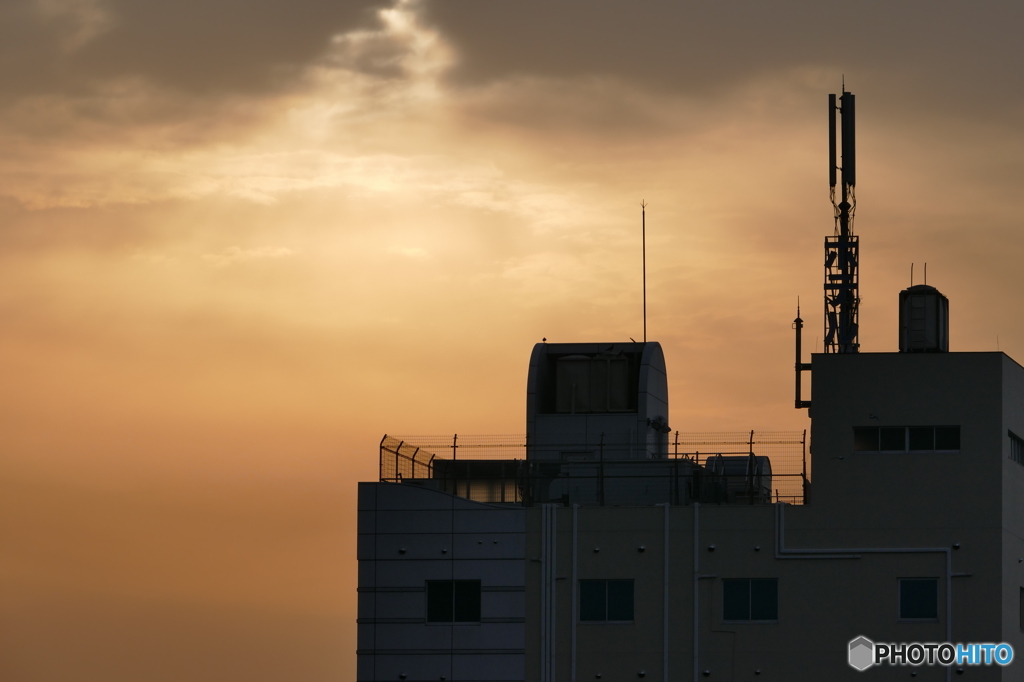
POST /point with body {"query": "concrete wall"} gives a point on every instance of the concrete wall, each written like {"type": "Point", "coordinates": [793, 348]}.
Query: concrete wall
{"type": "Point", "coordinates": [1013, 508]}
{"type": "Point", "coordinates": [882, 516]}
{"type": "Point", "coordinates": [443, 538]}
{"type": "Point", "coordinates": [823, 603]}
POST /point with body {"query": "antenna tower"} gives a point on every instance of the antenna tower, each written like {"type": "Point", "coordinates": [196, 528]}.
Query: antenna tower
{"type": "Point", "coordinates": [842, 295]}
{"type": "Point", "coordinates": [643, 247]}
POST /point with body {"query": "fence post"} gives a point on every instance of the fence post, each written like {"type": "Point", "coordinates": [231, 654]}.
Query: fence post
{"type": "Point", "coordinates": [455, 441]}
{"type": "Point", "coordinates": [751, 468]}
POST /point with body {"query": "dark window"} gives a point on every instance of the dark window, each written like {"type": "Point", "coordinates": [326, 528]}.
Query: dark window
{"type": "Point", "coordinates": [907, 438]}
{"type": "Point", "coordinates": [620, 600]}
{"type": "Point", "coordinates": [592, 384]}
{"type": "Point", "coordinates": [893, 438]}
{"type": "Point", "coordinates": [606, 600]}
{"type": "Point", "coordinates": [593, 600]}
{"type": "Point", "coordinates": [919, 598]}
{"type": "Point", "coordinates": [750, 599]}
{"type": "Point", "coordinates": [602, 383]}
{"type": "Point", "coordinates": [467, 601]}
{"type": "Point", "coordinates": [947, 437]}
{"type": "Point", "coordinates": [440, 601]}
{"type": "Point", "coordinates": [453, 601]}
{"type": "Point", "coordinates": [1016, 448]}
{"type": "Point", "coordinates": [921, 438]}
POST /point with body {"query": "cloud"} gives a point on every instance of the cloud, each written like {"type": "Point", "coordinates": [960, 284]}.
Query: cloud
{"type": "Point", "coordinates": [83, 20]}
{"type": "Point", "coordinates": [196, 47]}
{"type": "Point", "coordinates": [957, 57]}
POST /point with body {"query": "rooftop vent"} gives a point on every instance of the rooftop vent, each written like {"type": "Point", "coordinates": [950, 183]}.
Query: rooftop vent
{"type": "Point", "coordinates": [924, 320]}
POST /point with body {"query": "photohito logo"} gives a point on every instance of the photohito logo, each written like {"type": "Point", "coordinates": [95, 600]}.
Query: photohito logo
{"type": "Point", "coordinates": [863, 653]}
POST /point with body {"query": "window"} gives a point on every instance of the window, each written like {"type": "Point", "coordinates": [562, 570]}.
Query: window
{"type": "Point", "coordinates": [750, 599]}
{"type": "Point", "coordinates": [453, 601]}
{"type": "Point", "coordinates": [1016, 448]}
{"type": "Point", "coordinates": [919, 598]}
{"type": "Point", "coordinates": [602, 383]}
{"type": "Point", "coordinates": [606, 601]}
{"type": "Point", "coordinates": [906, 438]}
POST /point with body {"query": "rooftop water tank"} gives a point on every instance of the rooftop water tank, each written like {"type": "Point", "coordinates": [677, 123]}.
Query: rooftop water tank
{"type": "Point", "coordinates": [924, 320]}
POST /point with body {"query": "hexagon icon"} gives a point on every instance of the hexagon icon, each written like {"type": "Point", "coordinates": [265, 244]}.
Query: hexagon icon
{"type": "Point", "coordinates": [862, 653]}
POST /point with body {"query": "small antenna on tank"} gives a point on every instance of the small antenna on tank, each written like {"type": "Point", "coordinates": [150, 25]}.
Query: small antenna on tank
{"type": "Point", "coordinates": [643, 248]}
{"type": "Point", "coordinates": [911, 274]}
{"type": "Point", "coordinates": [926, 273]}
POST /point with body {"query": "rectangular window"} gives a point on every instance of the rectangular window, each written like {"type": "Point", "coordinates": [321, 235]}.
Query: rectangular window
{"type": "Point", "coordinates": [947, 437]}
{"type": "Point", "coordinates": [1016, 448]}
{"type": "Point", "coordinates": [587, 384]}
{"type": "Point", "coordinates": [921, 438]}
{"type": "Point", "coordinates": [750, 599]}
{"type": "Point", "coordinates": [453, 601]}
{"type": "Point", "coordinates": [919, 598]}
{"type": "Point", "coordinates": [606, 601]}
{"type": "Point", "coordinates": [906, 439]}
{"type": "Point", "coordinates": [893, 438]}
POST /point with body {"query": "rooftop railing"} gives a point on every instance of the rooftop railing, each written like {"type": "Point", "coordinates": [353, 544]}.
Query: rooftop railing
{"type": "Point", "coordinates": [748, 467]}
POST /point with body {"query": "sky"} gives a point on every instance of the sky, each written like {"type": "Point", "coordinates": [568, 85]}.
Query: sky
{"type": "Point", "coordinates": [241, 241]}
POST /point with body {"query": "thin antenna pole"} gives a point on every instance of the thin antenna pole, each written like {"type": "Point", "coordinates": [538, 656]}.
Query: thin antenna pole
{"type": "Point", "coordinates": [911, 274]}
{"type": "Point", "coordinates": [643, 247]}
{"type": "Point", "coordinates": [926, 273]}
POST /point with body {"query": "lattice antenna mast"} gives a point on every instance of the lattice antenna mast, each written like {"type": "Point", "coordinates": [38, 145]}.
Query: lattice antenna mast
{"type": "Point", "coordinates": [842, 294]}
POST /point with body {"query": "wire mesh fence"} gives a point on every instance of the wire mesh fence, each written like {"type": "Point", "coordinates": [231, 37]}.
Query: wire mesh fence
{"type": "Point", "coordinates": [752, 467]}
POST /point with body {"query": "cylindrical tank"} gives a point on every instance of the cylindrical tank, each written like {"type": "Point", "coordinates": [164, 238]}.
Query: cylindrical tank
{"type": "Point", "coordinates": [924, 320]}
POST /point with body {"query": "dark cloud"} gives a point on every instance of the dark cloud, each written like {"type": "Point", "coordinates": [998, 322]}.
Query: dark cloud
{"type": "Point", "coordinates": [965, 55]}
{"type": "Point", "coordinates": [189, 45]}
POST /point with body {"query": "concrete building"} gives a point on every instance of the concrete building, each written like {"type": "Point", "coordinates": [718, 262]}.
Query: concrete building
{"type": "Point", "coordinates": [600, 546]}
{"type": "Point", "coordinates": [594, 549]}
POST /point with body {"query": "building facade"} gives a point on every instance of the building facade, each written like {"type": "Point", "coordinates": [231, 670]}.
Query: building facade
{"type": "Point", "coordinates": [603, 553]}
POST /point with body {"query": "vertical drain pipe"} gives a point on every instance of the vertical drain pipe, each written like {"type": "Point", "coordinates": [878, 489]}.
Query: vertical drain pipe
{"type": "Point", "coordinates": [664, 644]}
{"type": "Point", "coordinates": [548, 604]}
{"type": "Point", "coordinates": [696, 586]}
{"type": "Point", "coordinates": [575, 591]}
{"type": "Point", "coordinates": [552, 594]}
{"type": "Point", "coordinates": [544, 559]}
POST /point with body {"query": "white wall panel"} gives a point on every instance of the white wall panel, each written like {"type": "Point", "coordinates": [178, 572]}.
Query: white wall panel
{"type": "Point", "coordinates": [503, 604]}
{"type": "Point", "coordinates": [414, 636]}
{"type": "Point", "coordinates": [488, 667]}
{"type": "Point", "coordinates": [489, 636]}
{"type": "Point", "coordinates": [423, 521]}
{"type": "Point", "coordinates": [415, 666]}
{"type": "Point", "coordinates": [413, 573]}
{"type": "Point", "coordinates": [492, 572]}
{"type": "Point", "coordinates": [416, 546]}
{"type": "Point", "coordinates": [489, 519]}
{"type": "Point", "coordinates": [490, 545]}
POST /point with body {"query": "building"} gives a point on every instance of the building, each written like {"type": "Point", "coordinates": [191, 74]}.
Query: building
{"type": "Point", "coordinates": [616, 558]}
{"type": "Point", "coordinates": [601, 546]}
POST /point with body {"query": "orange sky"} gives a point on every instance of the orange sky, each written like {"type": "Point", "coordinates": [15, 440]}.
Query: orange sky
{"type": "Point", "coordinates": [239, 242]}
